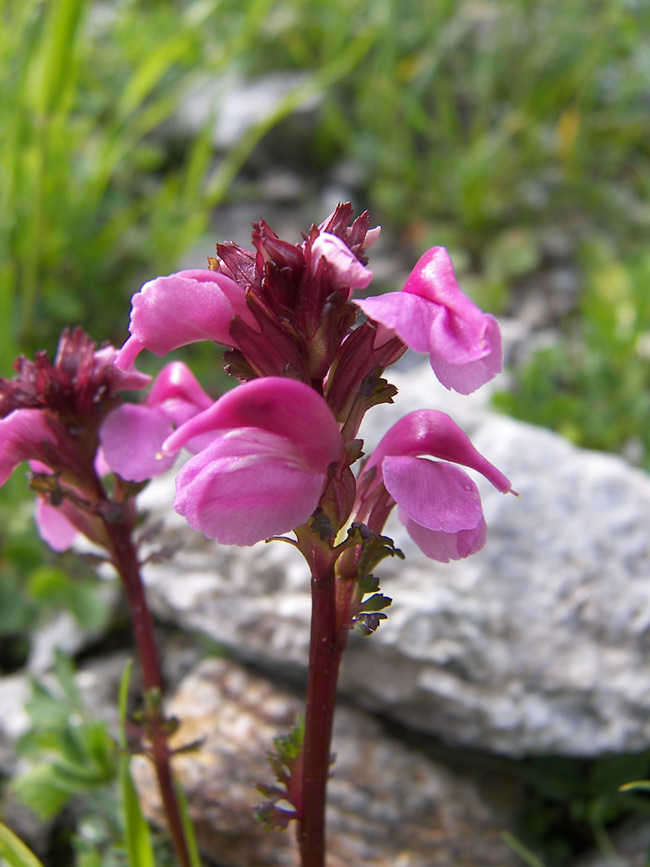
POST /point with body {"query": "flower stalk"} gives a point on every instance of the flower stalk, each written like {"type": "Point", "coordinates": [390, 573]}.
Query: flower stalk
{"type": "Point", "coordinates": [325, 652]}
{"type": "Point", "coordinates": [124, 557]}
{"type": "Point", "coordinates": [66, 419]}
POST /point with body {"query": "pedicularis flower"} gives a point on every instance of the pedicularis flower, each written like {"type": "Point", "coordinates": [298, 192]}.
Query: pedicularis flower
{"type": "Point", "coordinates": [432, 315]}
{"type": "Point", "coordinates": [58, 416]}
{"type": "Point", "coordinates": [277, 452]}
{"type": "Point", "coordinates": [438, 503]}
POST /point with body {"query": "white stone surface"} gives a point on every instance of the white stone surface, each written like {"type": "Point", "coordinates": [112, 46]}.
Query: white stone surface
{"type": "Point", "coordinates": [538, 644]}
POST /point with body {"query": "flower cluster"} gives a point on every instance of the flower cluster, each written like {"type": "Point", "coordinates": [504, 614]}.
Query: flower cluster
{"type": "Point", "coordinates": [65, 417]}
{"type": "Point", "coordinates": [275, 455]}
{"type": "Point", "coordinates": [310, 358]}
{"type": "Point", "coordinates": [280, 447]}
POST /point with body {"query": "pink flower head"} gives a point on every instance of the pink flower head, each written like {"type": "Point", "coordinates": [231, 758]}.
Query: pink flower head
{"type": "Point", "coordinates": [51, 412]}
{"type": "Point", "coordinates": [432, 315]}
{"type": "Point", "coordinates": [133, 434]}
{"type": "Point", "coordinates": [182, 308]}
{"type": "Point", "coordinates": [438, 503]}
{"type": "Point", "coordinates": [273, 441]}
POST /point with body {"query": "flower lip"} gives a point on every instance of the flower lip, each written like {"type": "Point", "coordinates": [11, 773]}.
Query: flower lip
{"type": "Point", "coordinates": [172, 311]}
{"type": "Point", "coordinates": [432, 315]}
{"type": "Point", "coordinates": [247, 485]}
{"type": "Point", "coordinates": [275, 404]}
{"type": "Point", "coordinates": [23, 435]}
{"type": "Point", "coordinates": [433, 433]}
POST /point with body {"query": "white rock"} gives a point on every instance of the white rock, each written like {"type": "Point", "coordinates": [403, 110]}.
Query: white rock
{"type": "Point", "coordinates": [538, 644]}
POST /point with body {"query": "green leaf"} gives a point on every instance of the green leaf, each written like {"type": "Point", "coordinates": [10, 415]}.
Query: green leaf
{"type": "Point", "coordinates": [188, 827]}
{"type": "Point", "coordinates": [14, 851]}
{"type": "Point", "coordinates": [42, 791]}
{"type": "Point", "coordinates": [123, 699]}
{"type": "Point", "coordinates": [376, 603]}
{"type": "Point", "coordinates": [137, 836]}
{"type": "Point", "coordinates": [64, 668]}
{"type": "Point", "coordinates": [637, 785]}
{"type": "Point", "coordinates": [524, 853]}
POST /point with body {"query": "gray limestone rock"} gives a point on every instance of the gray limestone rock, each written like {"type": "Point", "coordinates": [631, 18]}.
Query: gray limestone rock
{"type": "Point", "coordinates": [538, 644]}
{"type": "Point", "coordinates": [388, 806]}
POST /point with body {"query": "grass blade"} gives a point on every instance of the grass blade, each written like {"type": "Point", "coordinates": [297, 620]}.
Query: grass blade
{"type": "Point", "coordinates": [137, 836]}
{"type": "Point", "coordinates": [14, 851]}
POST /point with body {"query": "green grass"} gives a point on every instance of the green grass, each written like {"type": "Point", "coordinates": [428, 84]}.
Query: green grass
{"type": "Point", "coordinates": [594, 385]}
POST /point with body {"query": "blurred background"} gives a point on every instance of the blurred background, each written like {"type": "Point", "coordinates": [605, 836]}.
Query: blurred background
{"type": "Point", "coordinates": [134, 134]}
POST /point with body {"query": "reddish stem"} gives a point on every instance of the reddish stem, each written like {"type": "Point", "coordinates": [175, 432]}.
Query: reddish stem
{"type": "Point", "coordinates": [326, 648]}
{"type": "Point", "coordinates": [125, 560]}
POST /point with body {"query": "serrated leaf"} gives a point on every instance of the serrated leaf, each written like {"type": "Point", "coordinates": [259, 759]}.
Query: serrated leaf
{"type": "Point", "coordinates": [366, 624]}
{"type": "Point", "coordinates": [376, 603]}
{"type": "Point", "coordinates": [368, 584]}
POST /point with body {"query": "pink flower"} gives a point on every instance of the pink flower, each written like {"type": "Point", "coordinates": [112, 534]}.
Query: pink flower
{"type": "Point", "coordinates": [438, 503]}
{"type": "Point", "coordinates": [54, 527]}
{"type": "Point", "coordinates": [273, 442]}
{"type": "Point", "coordinates": [133, 434]}
{"type": "Point", "coordinates": [182, 308]}
{"type": "Point", "coordinates": [25, 434]}
{"type": "Point", "coordinates": [346, 271]}
{"type": "Point", "coordinates": [433, 316]}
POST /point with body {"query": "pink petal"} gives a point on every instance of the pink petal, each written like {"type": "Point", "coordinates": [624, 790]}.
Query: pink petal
{"type": "Point", "coordinates": [278, 405]}
{"type": "Point", "coordinates": [345, 269]}
{"type": "Point", "coordinates": [178, 393]}
{"type": "Point", "coordinates": [132, 437]}
{"type": "Point", "coordinates": [53, 526]}
{"type": "Point", "coordinates": [433, 278]}
{"type": "Point", "coordinates": [432, 315]}
{"type": "Point", "coordinates": [372, 236]}
{"type": "Point", "coordinates": [435, 495]}
{"type": "Point", "coordinates": [429, 432]}
{"type": "Point", "coordinates": [444, 547]}
{"type": "Point", "coordinates": [248, 485]}
{"type": "Point", "coordinates": [474, 358]}
{"type": "Point", "coordinates": [121, 380]}
{"type": "Point", "coordinates": [439, 505]}
{"type": "Point", "coordinates": [21, 435]}
{"type": "Point", "coordinates": [408, 316]}
{"type": "Point", "coordinates": [182, 308]}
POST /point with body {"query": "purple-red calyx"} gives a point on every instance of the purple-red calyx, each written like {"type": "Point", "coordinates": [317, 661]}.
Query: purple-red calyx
{"type": "Point", "coordinates": [52, 411]}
